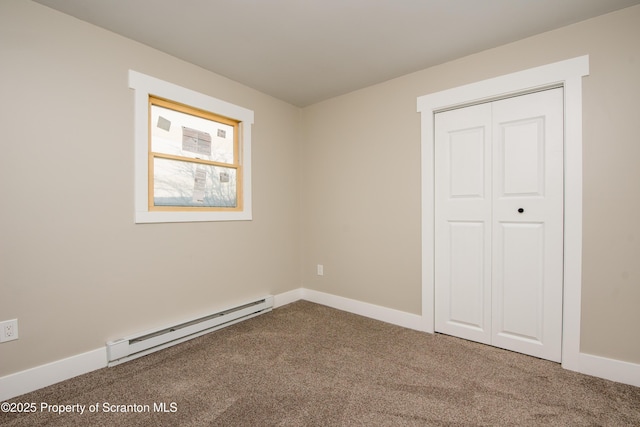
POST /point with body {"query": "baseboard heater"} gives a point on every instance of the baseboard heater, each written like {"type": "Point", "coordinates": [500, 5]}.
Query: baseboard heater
{"type": "Point", "coordinates": [124, 349]}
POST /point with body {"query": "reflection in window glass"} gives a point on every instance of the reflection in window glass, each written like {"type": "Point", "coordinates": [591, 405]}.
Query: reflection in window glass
{"type": "Point", "coordinates": [179, 183]}
{"type": "Point", "coordinates": [174, 132]}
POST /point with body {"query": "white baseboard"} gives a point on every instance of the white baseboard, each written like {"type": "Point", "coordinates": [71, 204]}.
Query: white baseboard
{"type": "Point", "coordinates": [287, 297]}
{"type": "Point", "coordinates": [609, 369]}
{"type": "Point", "coordinates": [29, 380]}
{"type": "Point", "coordinates": [22, 382]}
{"type": "Point", "coordinates": [384, 314]}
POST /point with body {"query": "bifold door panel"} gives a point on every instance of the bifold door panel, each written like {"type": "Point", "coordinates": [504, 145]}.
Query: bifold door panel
{"type": "Point", "coordinates": [499, 223]}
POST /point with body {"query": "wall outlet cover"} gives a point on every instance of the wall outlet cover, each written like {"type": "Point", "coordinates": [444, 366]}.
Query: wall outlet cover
{"type": "Point", "coordinates": [9, 330]}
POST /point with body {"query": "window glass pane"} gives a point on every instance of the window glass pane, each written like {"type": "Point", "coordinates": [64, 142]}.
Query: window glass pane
{"type": "Point", "coordinates": [181, 134]}
{"type": "Point", "coordinates": [178, 183]}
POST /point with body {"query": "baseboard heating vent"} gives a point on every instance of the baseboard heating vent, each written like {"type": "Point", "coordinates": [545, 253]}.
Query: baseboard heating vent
{"type": "Point", "coordinates": [125, 349]}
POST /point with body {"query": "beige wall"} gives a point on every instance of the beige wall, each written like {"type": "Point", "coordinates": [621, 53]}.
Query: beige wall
{"type": "Point", "coordinates": [337, 183]}
{"type": "Point", "coordinates": [361, 180]}
{"type": "Point", "coordinates": [74, 268]}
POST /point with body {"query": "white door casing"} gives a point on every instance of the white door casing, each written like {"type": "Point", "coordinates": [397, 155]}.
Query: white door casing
{"type": "Point", "coordinates": [567, 74]}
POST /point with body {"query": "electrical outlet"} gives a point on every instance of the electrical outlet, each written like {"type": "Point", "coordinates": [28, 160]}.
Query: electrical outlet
{"type": "Point", "coordinates": [320, 270]}
{"type": "Point", "coordinates": [9, 330]}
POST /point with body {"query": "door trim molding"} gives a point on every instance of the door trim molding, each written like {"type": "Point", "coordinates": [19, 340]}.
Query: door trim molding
{"type": "Point", "coordinates": [567, 74]}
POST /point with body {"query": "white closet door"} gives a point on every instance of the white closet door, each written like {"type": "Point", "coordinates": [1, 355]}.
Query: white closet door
{"type": "Point", "coordinates": [528, 223]}
{"type": "Point", "coordinates": [463, 223]}
{"type": "Point", "coordinates": [499, 231]}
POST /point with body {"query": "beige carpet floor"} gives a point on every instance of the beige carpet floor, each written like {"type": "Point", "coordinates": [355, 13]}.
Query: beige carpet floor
{"type": "Point", "coordinates": [309, 365]}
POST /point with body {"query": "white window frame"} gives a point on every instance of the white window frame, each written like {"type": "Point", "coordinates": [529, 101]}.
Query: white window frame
{"type": "Point", "coordinates": [143, 86]}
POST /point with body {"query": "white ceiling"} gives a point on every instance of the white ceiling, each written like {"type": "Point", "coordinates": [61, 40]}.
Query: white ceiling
{"type": "Point", "coordinates": [305, 51]}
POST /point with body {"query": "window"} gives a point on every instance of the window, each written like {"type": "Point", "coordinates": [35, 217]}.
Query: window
{"type": "Point", "coordinates": [192, 155]}
{"type": "Point", "coordinates": [193, 159]}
